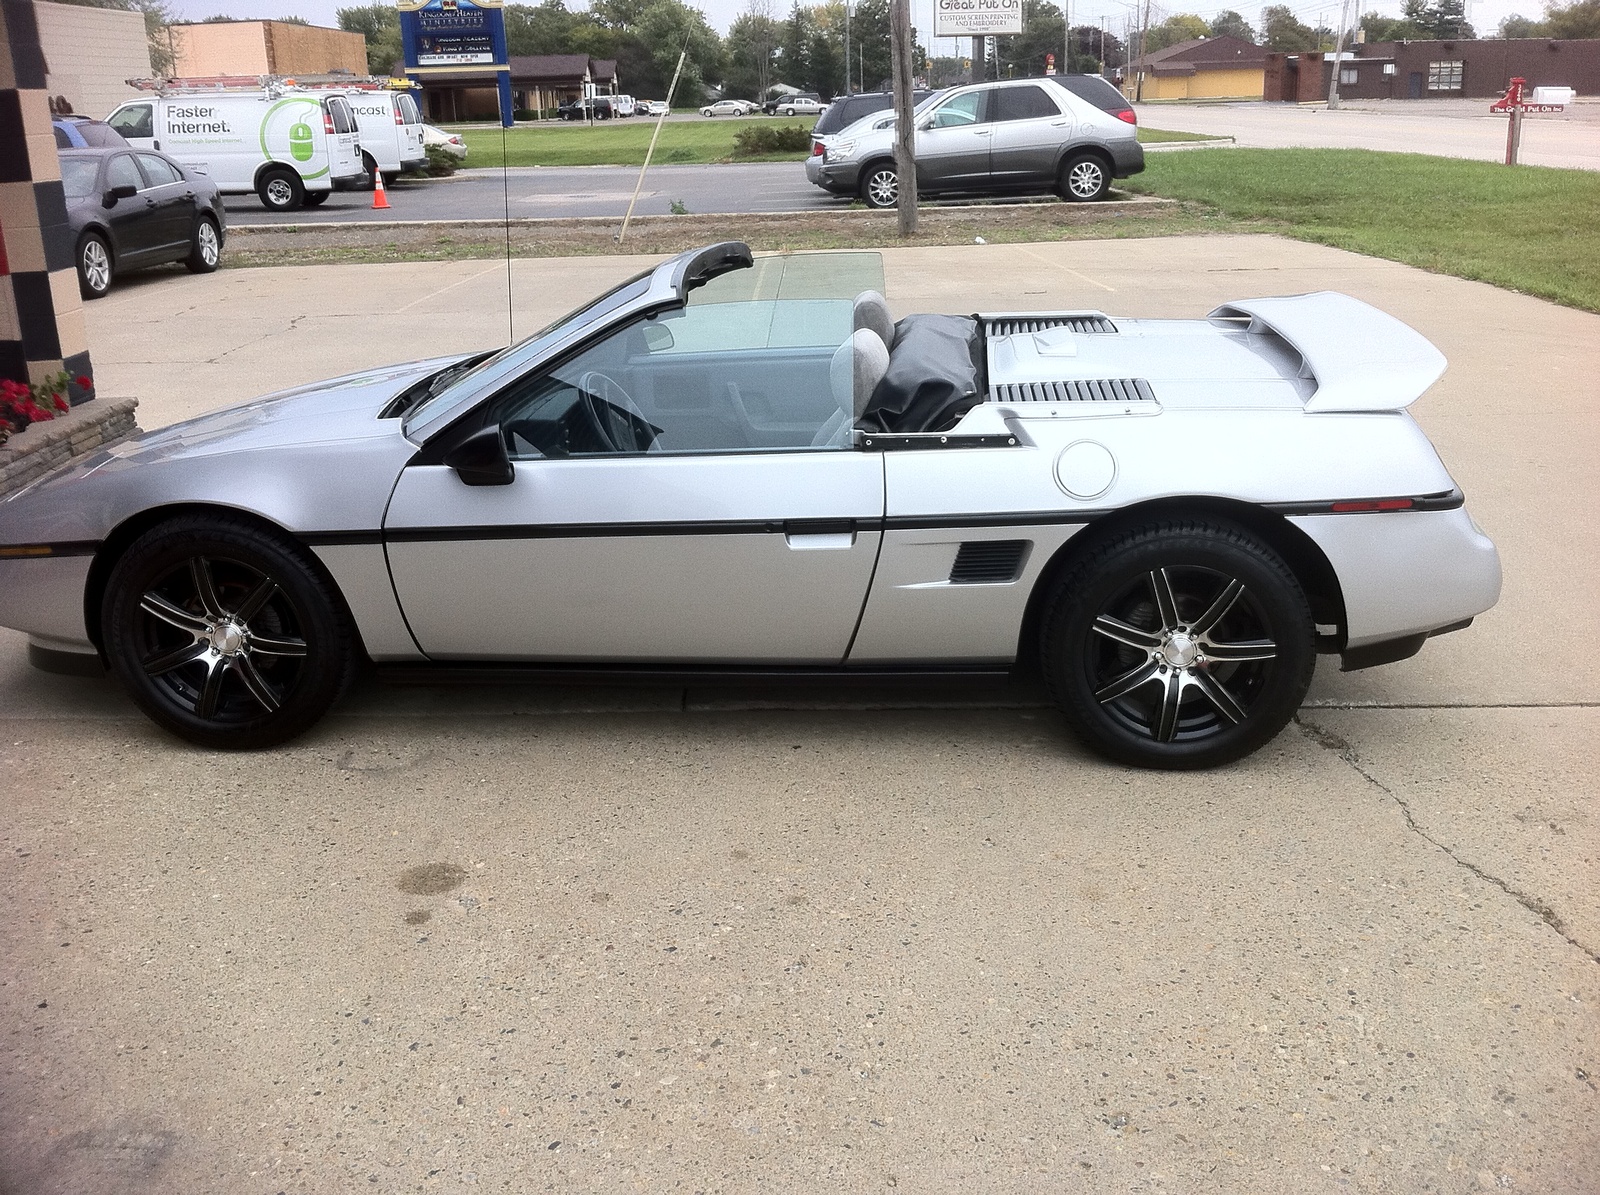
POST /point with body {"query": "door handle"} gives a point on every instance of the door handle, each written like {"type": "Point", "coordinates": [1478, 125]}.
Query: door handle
{"type": "Point", "coordinates": [983, 132]}
{"type": "Point", "coordinates": [1060, 124]}
{"type": "Point", "coordinates": [149, 203]}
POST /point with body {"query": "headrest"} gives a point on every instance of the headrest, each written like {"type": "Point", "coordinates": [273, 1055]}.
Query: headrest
{"type": "Point", "coordinates": [872, 313]}
{"type": "Point", "coordinates": [858, 366]}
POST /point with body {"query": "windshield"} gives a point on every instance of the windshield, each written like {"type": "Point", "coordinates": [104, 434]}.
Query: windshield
{"type": "Point", "coordinates": [77, 176]}
{"type": "Point", "coordinates": [618, 295]}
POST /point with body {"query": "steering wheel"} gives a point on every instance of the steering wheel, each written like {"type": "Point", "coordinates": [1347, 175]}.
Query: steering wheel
{"type": "Point", "coordinates": [603, 398]}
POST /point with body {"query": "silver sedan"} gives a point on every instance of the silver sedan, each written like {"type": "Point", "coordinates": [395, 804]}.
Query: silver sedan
{"type": "Point", "coordinates": [740, 467]}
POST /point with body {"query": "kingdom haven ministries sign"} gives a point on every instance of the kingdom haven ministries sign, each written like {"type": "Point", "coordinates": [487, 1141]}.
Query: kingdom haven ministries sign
{"type": "Point", "coordinates": [976, 18]}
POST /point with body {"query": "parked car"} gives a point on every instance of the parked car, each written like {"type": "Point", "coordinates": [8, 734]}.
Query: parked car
{"type": "Point", "coordinates": [579, 109]}
{"type": "Point", "coordinates": [390, 125]}
{"type": "Point", "coordinates": [451, 143]}
{"type": "Point", "coordinates": [728, 108]}
{"type": "Point", "coordinates": [872, 122]}
{"type": "Point", "coordinates": [128, 209]}
{"type": "Point", "coordinates": [623, 105]}
{"type": "Point", "coordinates": [1018, 135]}
{"type": "Point", "coordinates": [680, 480]}
{"type": "Point", "coordinates": [282, 145]}
{"type": "Point", "coordinates": [847, 109]}
{"type": "Point", "coordinates": [655, 108]}
{"type": "Point", "coordinates": [806, 103]}
{"type": "Point", "coordinates": [79, 132]}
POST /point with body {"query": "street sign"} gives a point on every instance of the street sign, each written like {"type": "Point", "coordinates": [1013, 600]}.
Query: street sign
{"type": "Point", "coordinates": [976, 18]}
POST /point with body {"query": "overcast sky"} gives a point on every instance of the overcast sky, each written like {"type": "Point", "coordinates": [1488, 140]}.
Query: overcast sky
{"type": "Point", "coordinates": [1484, 14]}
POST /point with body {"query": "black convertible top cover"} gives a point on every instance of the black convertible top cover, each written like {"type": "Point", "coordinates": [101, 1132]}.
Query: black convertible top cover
{"type": "Point", "coordinates": [935, 376]}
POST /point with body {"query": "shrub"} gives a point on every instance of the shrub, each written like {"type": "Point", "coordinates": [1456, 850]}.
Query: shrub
{"type": "Point", "coordinates": [757, 139]}
{"type": "Point", "coordinates": [441, 163]}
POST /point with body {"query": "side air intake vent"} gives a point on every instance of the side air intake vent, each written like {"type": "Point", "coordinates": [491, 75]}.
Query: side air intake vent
{"type": "Point", "coordinates": [1011, 325]}
{"type": "Point", "coordinates": [1091, 390]}
{"type": "Point", "coordinates": [989, 562]}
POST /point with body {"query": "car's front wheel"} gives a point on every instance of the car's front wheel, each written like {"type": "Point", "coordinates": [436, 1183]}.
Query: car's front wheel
{"type": "Point", "coordinates": [94, 266]}
{"type": "Point", "coordinates": [1084, 179]}
{"type": "Point", "coordinates": [880, 185]}
{"type": "Point", "coordinates": [224, 634]}
{"type": "Point", "coordinates": [1179, 645]}
{"type": "Point", "coordinates": [205, 248]}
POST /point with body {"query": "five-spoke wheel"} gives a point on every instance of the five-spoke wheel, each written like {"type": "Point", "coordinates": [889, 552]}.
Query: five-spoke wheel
{"type": "Point", "coordinates": [224, 634]}
{"type": "Point", "coordinates": [1180, 645]}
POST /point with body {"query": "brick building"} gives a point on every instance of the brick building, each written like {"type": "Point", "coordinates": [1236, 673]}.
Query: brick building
{"type": "Point", "coordinates": [89, 52]}
{"type": "Point", "coordinates": [1415, 70]}
{"type": "Point", "coordinates": [265, 48]}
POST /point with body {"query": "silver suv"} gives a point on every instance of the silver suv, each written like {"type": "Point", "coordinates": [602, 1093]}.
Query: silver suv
{"type": "Point", "coordinates": [1072, 135]}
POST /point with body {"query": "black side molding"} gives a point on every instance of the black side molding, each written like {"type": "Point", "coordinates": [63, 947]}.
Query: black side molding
{"type": "Point", "coordinates": [65, 663]}
{"type": "Point", "coordinates": [1391, 650]}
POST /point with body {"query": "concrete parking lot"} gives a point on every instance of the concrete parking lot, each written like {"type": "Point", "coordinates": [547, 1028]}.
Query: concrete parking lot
{"type": "Point", "coordinates": [588, 940]}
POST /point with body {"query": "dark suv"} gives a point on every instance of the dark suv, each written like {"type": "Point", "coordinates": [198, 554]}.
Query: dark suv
{"type": "Point", "coordinates": [847, 109]}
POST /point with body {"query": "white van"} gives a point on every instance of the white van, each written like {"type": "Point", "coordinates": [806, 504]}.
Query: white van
{"type": "Point", "coordinates": [391, 131]}
{"type": "Point", "coordinates": [289, 147]}
{"type": "Point", "coordinates": [623, 105]}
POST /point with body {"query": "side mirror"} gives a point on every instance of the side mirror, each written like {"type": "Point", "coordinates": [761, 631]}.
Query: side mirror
{"type": "Point", "coordinates": [125, 191]}
{"type": "Point", "coordinates": [481, 458]}
{"type": "Point", "coordinates": [657, 337]}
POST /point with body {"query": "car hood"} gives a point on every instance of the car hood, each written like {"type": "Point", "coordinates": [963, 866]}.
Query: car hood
{"type": "Point", "coordinates": [339, 409]}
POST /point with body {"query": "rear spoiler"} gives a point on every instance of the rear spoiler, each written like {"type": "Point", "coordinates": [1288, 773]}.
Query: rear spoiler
{"type": "Point", "coordinates": [1359, 358]}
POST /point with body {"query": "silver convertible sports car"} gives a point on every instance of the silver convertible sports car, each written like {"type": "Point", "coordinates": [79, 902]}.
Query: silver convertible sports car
{"type": "Point", "coordinates": [745, 468]}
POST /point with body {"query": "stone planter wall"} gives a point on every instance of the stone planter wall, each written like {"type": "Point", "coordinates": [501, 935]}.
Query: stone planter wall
{"type": "Point", "coordinates": [43, 447]}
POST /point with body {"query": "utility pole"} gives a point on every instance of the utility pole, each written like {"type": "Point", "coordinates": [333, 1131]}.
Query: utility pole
{"type": "Point", "coordinates": [1333, 71]}
{"type": "Point", "coordinates": [1066, 37]}
{"type": "Point", "coordinates": [905, 152]}
{"type": "Point", "coordinates": [847, 47]}
{"type": "Point", "coordinates": [1144, 31]}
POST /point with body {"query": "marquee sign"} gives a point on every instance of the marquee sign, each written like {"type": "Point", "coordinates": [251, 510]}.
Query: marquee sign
{"type": "Point", "coordinates": [457, 37]}
{"type": "Point", "coordinates": [976, 18]}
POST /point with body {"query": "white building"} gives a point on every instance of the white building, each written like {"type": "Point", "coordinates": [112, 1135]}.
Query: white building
{"type": "Point", "coordinates": [88, 52]}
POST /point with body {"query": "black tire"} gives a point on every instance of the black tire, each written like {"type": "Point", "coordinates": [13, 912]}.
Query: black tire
{"type": "Point", "coordinates": [369, 165]}
{"type": "Point", "coordinates": [205, 247]}
{"type": "Point", "coordinates": [1198, 676]}
{"type": "Point", "coordinates": [316, 198]}
{"type": "Point", "coordinates": [95, 268]}
{"type": "Point", "coordinates": [224, 634]}
{"type": "Point", "coordinates": [1084, 179]}
{"type": "Point", "coordinates": [280, 190]}
{"type": "Point", "coordinates": [880, 185]}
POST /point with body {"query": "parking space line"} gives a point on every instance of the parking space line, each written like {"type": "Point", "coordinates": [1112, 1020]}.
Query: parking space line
{"type": "Point", "coordinates": [1069, 270]}
{"type": "Point", "coordinates": [498, 265]}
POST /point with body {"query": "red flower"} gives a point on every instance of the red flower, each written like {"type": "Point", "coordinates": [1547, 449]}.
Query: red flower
{"type": "Point", "coordinates": [62, 404]}
{"type": "Point", "coordinates": [84, 382]}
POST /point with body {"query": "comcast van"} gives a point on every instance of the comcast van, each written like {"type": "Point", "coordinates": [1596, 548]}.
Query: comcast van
{"type": "Point", "coordinates": [391, 131]}
{"type": "Point", "coordinates": [289, 147]}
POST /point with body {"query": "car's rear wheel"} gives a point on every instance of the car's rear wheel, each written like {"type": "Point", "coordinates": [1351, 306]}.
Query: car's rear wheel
{"type": "Point", "coordinates": [94, 266]}
{"type": "Point", "coordinates": [225, 634]}
{"type": "Point", "coordinates": [205, 248]}
{"type": "Point", "coordinates": [281, 190]}
{"type": "Point", "coordinates": [1084, 178]}
{"type": "Point", "coordinates": [316, 198]}
{"type": "Point", "coordinates": [880, 185]}
{"type": "Point", "coordinates": [1179, 645]}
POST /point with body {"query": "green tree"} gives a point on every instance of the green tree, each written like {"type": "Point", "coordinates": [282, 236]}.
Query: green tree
{"type": "Point", "coordinates": [1517, 25]}
{"type": "Point", "coordinates": [1380, 28]}
{"type": "Point", "coordinates": [380, 25]}
{"type": "Point", "coordinates": [751, 49]}
{"type": "Point", "coordinates": [1281, 30]}
{"type": "Point", "coordinates": [1579, 19]}
{"type": "Point", "coordinates": [1185, 26]}
{"type": "Point", "coordinates": [1230, 24]}
{"type": "Point", "coordinates": [548, 28]}
{"type": "Point", "coordinates": [1442, 19]}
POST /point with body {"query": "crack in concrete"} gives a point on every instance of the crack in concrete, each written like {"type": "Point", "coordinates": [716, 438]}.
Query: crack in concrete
{"type": "Point", "coordinates": [1341, 747]}
{"type": "Point", "coordinates": [292, 326]}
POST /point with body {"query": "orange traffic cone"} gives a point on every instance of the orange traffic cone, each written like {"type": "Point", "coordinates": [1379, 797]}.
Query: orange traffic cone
{"type": "Point", "coordinates": [380, 197]}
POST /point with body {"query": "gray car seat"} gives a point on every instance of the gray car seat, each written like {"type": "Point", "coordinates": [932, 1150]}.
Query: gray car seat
{"type": "Point", "coordinates": [857, 367]}
{"type": "Point", "coordinates": [872, 313]}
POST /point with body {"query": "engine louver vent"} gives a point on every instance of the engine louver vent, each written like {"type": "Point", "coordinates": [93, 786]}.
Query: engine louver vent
{"type": "Point", "coordinates": [1088, 390]}
{"type": "Point", "coordinates": [1011, 325]}
{"type": "Point", "coordinates": [988, 562]}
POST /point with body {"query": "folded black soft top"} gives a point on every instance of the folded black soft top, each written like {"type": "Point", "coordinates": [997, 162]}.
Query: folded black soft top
{"type": "Point", "coordinates": [935, 376]}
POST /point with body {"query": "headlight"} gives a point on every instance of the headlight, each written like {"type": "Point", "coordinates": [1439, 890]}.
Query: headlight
{"type": "Point", "coordinates": [840, 151]}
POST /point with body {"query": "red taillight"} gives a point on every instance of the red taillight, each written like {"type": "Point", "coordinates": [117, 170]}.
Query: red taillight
{"type": "Point", "coordinates": [818, 148]}
{"type": "Point", "coordinates": [327, 121]}
{"type": "Point", "coordinates": [1346, 508]}
{"type": "Point", "coordinates": [1128, 115]}
{"type": "Point", "coordinates": [398, 117]}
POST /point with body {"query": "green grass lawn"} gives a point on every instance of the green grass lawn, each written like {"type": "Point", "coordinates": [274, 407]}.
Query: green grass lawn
{"type": "Point", "coordinates": [622, 143]}
{"type": "Point", "coordinates": [1529, 228]}
{"type": "Point", "coordinates": [1154, 136]}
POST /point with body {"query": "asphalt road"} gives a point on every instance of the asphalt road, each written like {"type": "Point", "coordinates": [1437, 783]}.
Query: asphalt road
{"type": "Point", "coordinates": [650, 940]}
{"type": "Point", "coordinates": [561, 191]}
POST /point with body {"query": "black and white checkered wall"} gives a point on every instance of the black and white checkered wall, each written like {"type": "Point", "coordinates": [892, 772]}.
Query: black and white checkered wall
{"type": "Point", "coordinates": [41, 315]}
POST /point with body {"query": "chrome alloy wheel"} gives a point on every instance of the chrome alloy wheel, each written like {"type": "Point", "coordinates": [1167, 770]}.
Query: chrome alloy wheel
{"type": "Point", "coordinates": [1086, 178]}
{"type": "Point", "coordinates": [205, 238]}
{"type": "Point", "coordinates": [222, 639]}
{"type": "Point", "coordinates": [883, 187]}
{"type": "Point", "coordinates": [1180, 654]}
{"type": "Point", "coordinates": [96, 266]}
{"type": "Point", "coordinates": [279, 192]}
